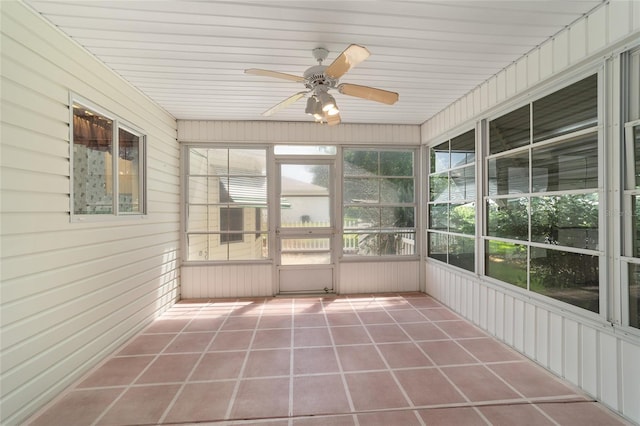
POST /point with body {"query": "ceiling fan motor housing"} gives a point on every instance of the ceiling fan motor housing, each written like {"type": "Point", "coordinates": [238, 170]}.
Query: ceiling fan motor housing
{"type": "Point", "coordinates": [315, 78]}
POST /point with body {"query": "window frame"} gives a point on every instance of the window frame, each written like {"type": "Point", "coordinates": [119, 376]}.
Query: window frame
{"type": "Point", "coordinates": [117, 124]}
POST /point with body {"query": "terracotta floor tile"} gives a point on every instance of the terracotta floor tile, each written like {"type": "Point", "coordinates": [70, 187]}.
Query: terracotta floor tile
{"type": "Point", "coordinates": [277, 338]}
{"type": "Point", "coordinates": [147, 344]}
{"type": "Point", "coordinates": [231, 340]}
{"type": "Point", "coordinates": [275, 321]}
{"type": "Point", "coordinates": [200, 402]}
{"type": "Point", "coordinates": [314, 360]}
{"type": "Point", "coordinates": [460, 329]}
{"type": "Point", "coordinates": [169, 368]}
{"type": "Point", "coordinates": [311, 337]}
{"type": "Point", "coordinates": [479, 384]}
{"type": "Point", "coordinates": [270, 362]}
{"type": "Point", "coordinates": [345, 318]}
{"type": "Point", "coordinates": [387, 418]}
{"type": "Point", "coordinates": [374, 390]}
{"type": "Point", "coordinates": [204, 324]}
{"type": "Point", "coordinates": [506, 415]}
{"type": "Point", "coordinates": [259, 398]}
{"type": "Point", "coordinates": [189, 342]}
{"type": "Point", "coordinates": [219, 365]}
{"type": "Point", "coordinates": [530, 379]}
{"type": "Point", "coordinates": [78, 408]}
{"type": "Point", "coordinates": [439, 314]}
{"type": "Point", "coordinates": [376, 317]}
{"type": "Point", "coordinates": [350, 335]}
{"type": "Point", "coordinates": [167, 325]}
{"type": "Point", "coordinates": [424, 331]}
{"type": "Point", "coordinates": [359, 358]}
{"type": "Point", "coordinates": [407, 315]}
{"type": "Point", "coordinates": [140, 405]}
{"type": "Point", "coordinates": [240, 323]}
{"type": "Point", "coordinates": [319, 395]}
{"type": "Point", "coordinates": [385, 333]}
{"type": "Point", "coordinates": [117, 371]}
{"type": "Point", "coordinates": [310, 305]}
{"type": "Point", "coordinates": [580, 414]}
{"type": "Point", "coordinates": [341, 420]}
{"type": "Point", "coordinates": [310, 320]}
{"type": "Point", "coordinates": [454, 416]}
{"type": "Point", "coordinates": [393, 303]}
{"type": "Point", "coordinates": [424, 302]}
{"type": "Point", "coordinates": [403, 355]}
{"type": "Point", "coordinates": [490, 350]}
{"type": "Point", "coordinates": [427, 386]}
{"type": "Point", "coordinates": [447, 352]}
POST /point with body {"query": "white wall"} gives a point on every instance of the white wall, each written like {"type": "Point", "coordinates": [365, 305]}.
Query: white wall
{"type": "Point", "coordinates": [72, 292]}
{"type": "Point", "coordinates": [220, 280]}
{"type": "Point", "coordinates": [599, 358]}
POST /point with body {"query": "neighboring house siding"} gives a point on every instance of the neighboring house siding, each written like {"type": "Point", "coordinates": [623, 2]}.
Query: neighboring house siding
{"type": "Point", "coordinates": [72, 293]}
{"type": "Point", "coordinates": [593, 355]}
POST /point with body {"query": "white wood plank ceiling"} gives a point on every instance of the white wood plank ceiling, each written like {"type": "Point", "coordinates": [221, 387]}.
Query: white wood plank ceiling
{"type": "Point", "coordinates": [190, 56]}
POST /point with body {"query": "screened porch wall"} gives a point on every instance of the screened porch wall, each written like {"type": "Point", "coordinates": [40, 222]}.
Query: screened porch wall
{"type": "Point", "coordinates": [599, 358]}
{"type": "Point", "coordinates": [246, 280]}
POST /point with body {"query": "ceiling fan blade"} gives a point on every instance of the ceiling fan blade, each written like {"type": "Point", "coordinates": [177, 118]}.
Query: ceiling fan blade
{"type": "Point", "coordinates": [291, 99]}
{"type": "Point", "coordinates": [332, 120]}
{"type": "Point", "coordinates": [370, 93]}
{"type": "Point", "coordinates": [267, 73]}
{"type": "Point", "coordinates": [352, 56]}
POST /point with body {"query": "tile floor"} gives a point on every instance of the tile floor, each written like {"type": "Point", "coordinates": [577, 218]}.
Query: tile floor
{"type": "Point", "coordinates": [381, 360]}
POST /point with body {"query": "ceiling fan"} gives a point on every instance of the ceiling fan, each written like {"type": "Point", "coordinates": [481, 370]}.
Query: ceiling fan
{"type": "Point", "coordinates": [319, 79]}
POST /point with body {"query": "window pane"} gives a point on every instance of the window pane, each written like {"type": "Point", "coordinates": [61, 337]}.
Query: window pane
{"type": "Point", "coordinates": [129, 179]}
{"type": "Point", "coordinates": [361, 217]}
{"type": "Point", "coordinates": [361, 190]}
{"type": "Point", "coordinates": [360, 163]}
{"type": "Point", "coordinates": [438, 246]}
{"type": "Point", "coordinates": [463, 218]}
{"type": "Point", "coordinates": [440, 157]}
{"type": "Point", "coordinates": [376, 243]}
{"type": "Point", "coordinates": [567, 165]}
{"type": "Point", "coordinates": [247, 162]}
{"type": "Point", "coordinates": [92, 162]}
{"type": "Point", "coordinates": [636, 143]}
{"type": "Point", "coordinates": [439, 187]}
{"type": "Point", "coordinates": [507, 262]}
{"type": "Point", "coordinates": [252, 247]}
{"type": "Point", "coordinates": [245, 190]}
{"type": "Point", "coordinates": [509, 174]}
{"type": "Point", "coordinates": [439, 216]}
{"type": "Point", "coordinates": [566, 220]}
{"type": "Point", "coordinates": [198, 161]}
{"type": "Point", "coordinates": [463, 184]}
{"type": "Point", "coordinates": [573, 108]}
{"type": "Point", "coordinates": [570, 277]}
{"type": "Point", "coordinates": [198, 247]}
{"type": "Point", "coordinates": [635, 224]}
{"type": "Point", "coordinates": [397, 217]}
{"type": "Point", "coordinates": [208, 161]}
{"type": "Point", "coordinates": [463, 149]}
{"type": "Point", "coordinates": [634, 295]}
{"type": "Point", "coordinates": [396, 190]}
{"type": "Point", "coordinates": [509, 131]}
{"type": "Point", "coordinates": [305, 150]}
{"type": "Point", "coordinates": [306, 251]}
{"type": "Point", "coordinates": [396, 163]}
{"type": "Point", "coordinates": [199, 217]}
{"type": "Point", "coordinates": [508, 218]}
{"type": "Point", "coordinates": [462, 252]}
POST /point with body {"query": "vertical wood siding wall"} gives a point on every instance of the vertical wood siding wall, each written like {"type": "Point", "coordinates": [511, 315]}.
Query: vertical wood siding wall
{"type": "Point", "coordinates": [72, 292]}
{"type": "Point", "coordinates": [257, 280]}
{"type": "Point", "coordinates": [593, 356]}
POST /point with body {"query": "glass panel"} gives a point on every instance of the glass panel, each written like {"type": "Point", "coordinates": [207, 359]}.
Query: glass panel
{"type": "Point", "coordinates": [636, 142]}
{"type": "Point", "coordinates": [463, 184]}
{"type": "Point", "coordinates": [570, 277]}
{"type": "Point", "coordinates": [508, 218]}
{"type": "Point", "coordinates": [245, 190]}
{"type": "Point", "coordinates": [396, 190]}
{"type": "Point", "coordinates": [566, 220]}
{"type": "Point", "coordinates": [200, 217]}
{"type": "Point", "coordinates": [507, 262]}
{"type": "Point", "coordinates": [247, 162]}
{"type": "Point", "coordinates": [439, 216]}
{"type": "Point", "coordinates": [306, 251]}
{"type": "Point", "coordinates": [462, 252]}
{"type": "Point", "coordinates": [252, 247]}
{"type": "Point", "coordinates": [573, 108]}
{"type": "Point", "coordinates": [208, 190]}
{"type": "Point", "coordinates": [360, 162]}
{"type": "Point", "coordinates": [438, 246]}
{"type": "Point", "coordinates": [129, 179]}
{"type": "Point", "coordinates": [305, 188]}
{"type": "Point", "coordinates": [397, 217]}
{"type": "Point", "coordinates": [566, 166]}
{"type": "Point", "coordinates": [635, 224]}
{"type": "Point", "coordinates": [198, 162]}
{"type": "Point", "coordinates": [92, 162]}
{"type": "Point", "coordinates": [377, 243]}
{"type": "Point", "coordinates": [198, 247]}
{"type": "Point", "coordinates": [509, 131]}
{"type": "Point", "coordinates": [463, 218]}
{"type": "Point", "coordinates": [396, 163]}
{"type": "Point", "coordinates": [217, 162]}
{"type": "Point", "coordinates": [440, 157]}
{"type": "Point", "coordinates": [361, 190]}
{"type": "Point", "coordinates": [634, 295]}
{"type": "Point", "coordinates": [305, 150]}
{"type": "Point", "coordinates": [361, 217]}
{"type": "Point", "coordinates": [439, 187]}
{"type": "Point", "coordinates": [463, 149]}
{"type": "Point", "coordinates": [509, 174]}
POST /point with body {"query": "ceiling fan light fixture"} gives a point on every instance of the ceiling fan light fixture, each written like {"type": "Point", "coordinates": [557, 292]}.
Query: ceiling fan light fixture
{"type": "Point", "coordinates": [314, 107]}
{"type": "Point", "coordinates": [327, 101]}
{"type": "Point", "coordinates": [333, 110]}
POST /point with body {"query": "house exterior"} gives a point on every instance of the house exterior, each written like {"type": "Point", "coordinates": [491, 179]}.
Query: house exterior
{"type": "Point", "coordinates": [74, 289]}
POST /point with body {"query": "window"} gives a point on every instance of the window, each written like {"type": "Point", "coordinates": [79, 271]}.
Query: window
{"type": "Point", "coordinates": [226, 204]}
{"type": "Point", "coordinates": [378, 202]}
{"type": "Point", "coordinates": [541, 198]}
{"type": "Point", "coordinates": [108, 175]}
{"type": "Point", "coordinates": [452, 201]}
